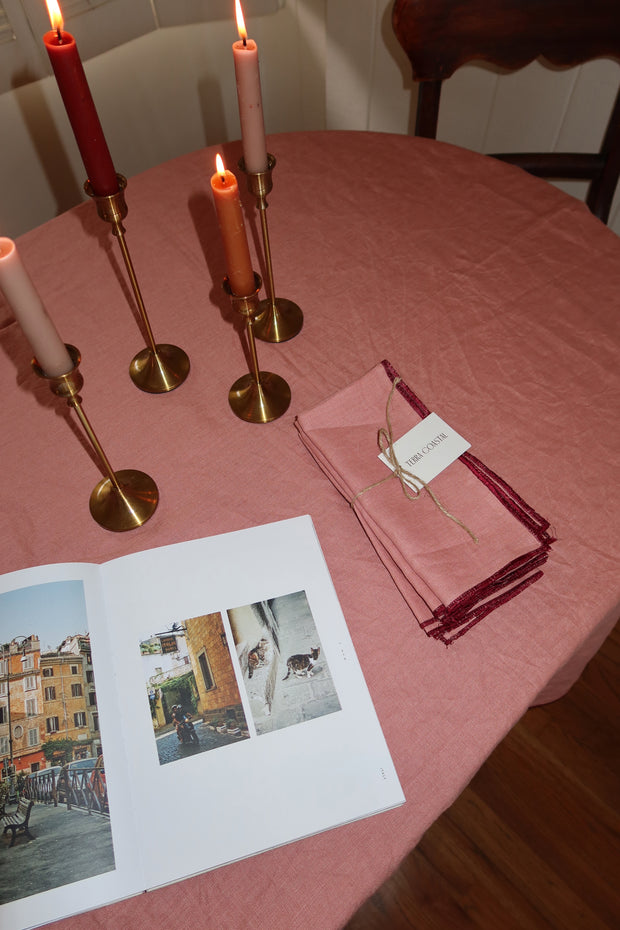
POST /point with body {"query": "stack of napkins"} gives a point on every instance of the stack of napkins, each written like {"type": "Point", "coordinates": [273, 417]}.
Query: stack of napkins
{"type": "Point", "coordinates": [464, 545]}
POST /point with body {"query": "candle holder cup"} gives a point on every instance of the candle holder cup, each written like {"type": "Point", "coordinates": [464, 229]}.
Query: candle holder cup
{"type": "Point", "coordinates": [159, 367]}
{"type": "Point", "coordinates": [124, 499]}
{"type": "Point", "coordinates": [259, 396]}
{"type": "Point", "coordinates": [279, 319]}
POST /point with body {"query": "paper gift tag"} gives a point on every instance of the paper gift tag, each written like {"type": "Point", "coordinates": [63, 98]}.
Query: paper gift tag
{"type": "Point", "coordinates": [427, 449]}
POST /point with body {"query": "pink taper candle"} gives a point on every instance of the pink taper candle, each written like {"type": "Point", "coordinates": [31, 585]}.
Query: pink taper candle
{"type": "Point", "coordinates": [47, 346]}
{"type": "Point", "coordinates": [245, 56]}
{"type": "Point", "coordinates": [228, 208]}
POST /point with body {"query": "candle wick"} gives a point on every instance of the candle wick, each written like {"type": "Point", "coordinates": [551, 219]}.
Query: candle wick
{"type": "Point", "coordinates": [59, 35]}
{"type": "Point", "coordinates": [223, 178]}
{"type": "Point", "coordinates": [245, 41]}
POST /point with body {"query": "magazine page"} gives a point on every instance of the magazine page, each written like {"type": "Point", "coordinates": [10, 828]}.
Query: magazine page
{"type": "Point", "coordinates": [238, 681]}
{"type": "Point", "coordinates": [59, 713]}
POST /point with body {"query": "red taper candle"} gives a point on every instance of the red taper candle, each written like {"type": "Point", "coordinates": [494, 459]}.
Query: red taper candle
{"type": "Point", "coordinates": [78, 101]}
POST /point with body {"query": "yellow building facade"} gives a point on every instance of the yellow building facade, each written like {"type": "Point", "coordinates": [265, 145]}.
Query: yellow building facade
{"type": "Point", "coordinates": [67, 712]}
{"type": "Point", "coordinates": [21, 706]}
{"type": "Point", "coordinates": [219, 700]}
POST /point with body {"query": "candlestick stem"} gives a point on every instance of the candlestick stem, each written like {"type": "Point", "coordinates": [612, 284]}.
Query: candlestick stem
{"type": "Point", "coordinates": [260, 396]}
{"type": "Point", "coordinates": [269, 285]}
{"type": "Point", "coordinates": [249, 330]}
{"type": "Point", "coordinates": [124, 499]}
{"type": "Point", "coordinates": [160, 367]}
{"type": "Point", "coordinates": [76, 403]}
{"type": "Point", "coordinates": [279, 319]}
{"type": "Point", "coordinates": [119, 231]}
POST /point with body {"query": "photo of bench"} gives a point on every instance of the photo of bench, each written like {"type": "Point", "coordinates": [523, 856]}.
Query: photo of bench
{"type": "Point", "coordinates": [17, 822]}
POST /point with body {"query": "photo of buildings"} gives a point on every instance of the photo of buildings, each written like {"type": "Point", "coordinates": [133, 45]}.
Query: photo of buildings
{"type": "Point", "coordinates": [52, 774]}
{"type": "Point", "coordinates": [192, 689]}
{"type": "Point", "coordinates": [47, 691]}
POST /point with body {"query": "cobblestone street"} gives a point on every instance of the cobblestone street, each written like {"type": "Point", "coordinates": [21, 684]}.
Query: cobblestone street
{"type": "Point", "coordinates": [68, 846]}
{"type": "Point", "coordinates": [170, 749]}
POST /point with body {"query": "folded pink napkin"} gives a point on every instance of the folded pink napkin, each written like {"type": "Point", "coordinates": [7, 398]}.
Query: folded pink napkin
{"type": "Point", "coordinates": [449, 581]}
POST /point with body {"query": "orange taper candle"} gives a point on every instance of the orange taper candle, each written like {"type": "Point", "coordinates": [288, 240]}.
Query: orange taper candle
{"type": "Point", "coordinates": [228, 208]}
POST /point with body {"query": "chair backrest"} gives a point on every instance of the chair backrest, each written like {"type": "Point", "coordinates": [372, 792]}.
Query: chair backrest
{"type": "Point", "coordinates": [441, 35]}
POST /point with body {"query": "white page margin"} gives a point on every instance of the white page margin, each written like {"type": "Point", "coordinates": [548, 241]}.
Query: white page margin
{"type": "Point", "coordinates": [339, 761]}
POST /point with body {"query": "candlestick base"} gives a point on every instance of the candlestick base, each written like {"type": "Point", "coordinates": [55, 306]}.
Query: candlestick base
{"type": "Point", "coordinates": [125, 505]}
{"type": "Point", "coordinates": [159, 371]}
{"type": "Point", "coordinates": [279, 319]}
{"type": "Point", "coordinates": [259, 401]}
{"type": "Point", "coordinates": [124, 499]}
{"type": "Point", "coordinates": [259, 396]}
{"type": "Point", "coordinates": [159, 367]}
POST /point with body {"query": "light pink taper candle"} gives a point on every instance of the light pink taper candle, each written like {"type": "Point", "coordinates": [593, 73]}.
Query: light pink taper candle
{"type": "Point", "coordinates": [47, 346]}
{"type": "Point", "coordinates": [245, 56]}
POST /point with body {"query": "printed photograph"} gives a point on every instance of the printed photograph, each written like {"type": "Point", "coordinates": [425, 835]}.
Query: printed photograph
{"type": "Point", "coordinates": [285, 671]}
{"type": "Point", "coordinates": [191, 688]}
{"type": "Point", "coordinates": [54, 815]}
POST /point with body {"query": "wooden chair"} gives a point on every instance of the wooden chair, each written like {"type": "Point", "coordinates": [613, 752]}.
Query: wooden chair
{"type": "Point", "coordinates": [441, 35]}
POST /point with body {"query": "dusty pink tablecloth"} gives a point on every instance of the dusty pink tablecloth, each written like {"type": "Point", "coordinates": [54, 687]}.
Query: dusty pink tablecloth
{"type": "Point", "coordinates": [491, 293]}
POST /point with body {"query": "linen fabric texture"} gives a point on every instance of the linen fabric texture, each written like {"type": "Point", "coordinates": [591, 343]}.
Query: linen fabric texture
{"type": "Point", "coordinates": [449, 581]}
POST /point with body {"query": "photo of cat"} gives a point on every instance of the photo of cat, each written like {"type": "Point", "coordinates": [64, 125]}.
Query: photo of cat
{"type": "Point", "coordinates": [284, 669]}
{"type": "Point", "coordinates": [302, 664]}
{"type": "Point", "coordinates": [257, 656]}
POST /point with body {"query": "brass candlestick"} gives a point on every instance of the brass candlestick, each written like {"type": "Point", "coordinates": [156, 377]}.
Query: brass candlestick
{"type": "Point", "coordinates": [280, 319]}
{"type": "Point", "coordinates": [259, 396]}
{"type": "Point", "coordinates": [159, 367]}
{"type": "Point", "coordinates": [125, 499]}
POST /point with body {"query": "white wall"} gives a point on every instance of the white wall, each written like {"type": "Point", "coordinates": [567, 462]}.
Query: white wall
{"type": "Point", "coordinates": [323, 64]}
{"type": "Point", "coordinates": [169, 92]}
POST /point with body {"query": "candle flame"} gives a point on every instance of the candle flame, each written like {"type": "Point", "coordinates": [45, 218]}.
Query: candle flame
{"type": "Point", "coordinates": [55, 15]}
{"type": "Point", "coordinates": [240, 21]}
{"type": "Point", "coordinates": [219, 167]}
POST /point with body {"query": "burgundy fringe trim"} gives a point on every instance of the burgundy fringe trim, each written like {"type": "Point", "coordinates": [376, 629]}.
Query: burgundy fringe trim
{"type": "Point", "coordinates": [451, 621]}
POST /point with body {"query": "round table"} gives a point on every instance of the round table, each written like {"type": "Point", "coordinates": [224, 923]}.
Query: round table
{"type": "Point", "coordinates": [496, 298]}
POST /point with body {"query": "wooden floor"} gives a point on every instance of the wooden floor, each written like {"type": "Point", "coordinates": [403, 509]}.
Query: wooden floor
{"type": "Point", "coordinates": [534, 840]}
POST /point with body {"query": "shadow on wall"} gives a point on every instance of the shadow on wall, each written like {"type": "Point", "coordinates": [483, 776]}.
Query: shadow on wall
{"type": "Point", "coordinates": [46, 141]}
{"type": "Point", "coordinates": [212, 110]}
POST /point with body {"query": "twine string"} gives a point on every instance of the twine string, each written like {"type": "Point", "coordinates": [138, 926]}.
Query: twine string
{"type": "Point", "coordinates": [407, 479]}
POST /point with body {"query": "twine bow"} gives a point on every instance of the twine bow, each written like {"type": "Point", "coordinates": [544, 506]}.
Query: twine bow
{"type": "Point", "coordinates": [408, 480]}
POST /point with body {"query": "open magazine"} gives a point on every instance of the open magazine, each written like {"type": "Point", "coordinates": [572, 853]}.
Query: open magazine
{"type": "Point", "coordinates": [218, 668]}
